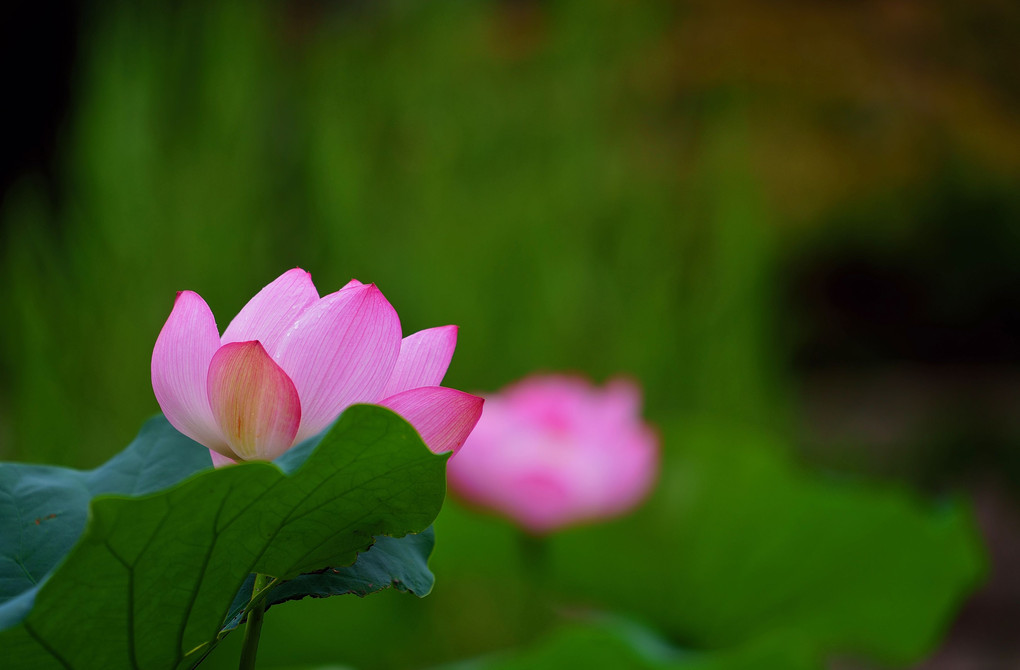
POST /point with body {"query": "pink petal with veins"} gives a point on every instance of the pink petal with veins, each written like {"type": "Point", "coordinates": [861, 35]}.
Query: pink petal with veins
{"type": "Point", "coordinates": [423, 360]}
{"type": "Point", "coordinates": [180, 365]}
{"type": "Point", "coordinates": [273, 310]}
{"type": "Point", "coordinates": [253, 401]}
{"type": "Point", "coordinates": [443, 417]}
{"type": "Point", "coordinates": [339, 352]}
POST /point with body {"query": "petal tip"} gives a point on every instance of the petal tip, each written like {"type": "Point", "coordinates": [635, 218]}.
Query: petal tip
{"type": "Point", "coordinates": [186, 294]}
{"type": "Point", "coordinates": [444, 417]}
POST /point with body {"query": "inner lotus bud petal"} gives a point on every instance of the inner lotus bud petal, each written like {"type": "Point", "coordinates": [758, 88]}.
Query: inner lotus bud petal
{"type": "Point", "coordinates": [254, 402]}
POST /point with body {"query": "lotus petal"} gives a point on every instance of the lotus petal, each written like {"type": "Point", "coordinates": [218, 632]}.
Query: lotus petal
{"type": "Point", "coordinates": [253, 401]}
{"type": "Point", "coordinates": [423, 360]}
{"type": "Point", "coordinates": [443, 417]}
{"type": "Point", "coordinates": [341, 351]}
{"type": "Point", "coordinates": [180, 366]}
{"type": "Point", "coordinates": [273, 310]}
{"type": "Point", "coordinates": [219, 460]}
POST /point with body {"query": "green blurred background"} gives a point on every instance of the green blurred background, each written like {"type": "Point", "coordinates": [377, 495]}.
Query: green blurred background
{"type": "Point", "coordinates": [795, 224]}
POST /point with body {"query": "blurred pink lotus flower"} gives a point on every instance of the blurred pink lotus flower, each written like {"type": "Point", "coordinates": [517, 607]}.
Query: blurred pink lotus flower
{"type": "Point", "coordinates": [553, 451]}
{"type": "Point", "coordinates": [290, 362]}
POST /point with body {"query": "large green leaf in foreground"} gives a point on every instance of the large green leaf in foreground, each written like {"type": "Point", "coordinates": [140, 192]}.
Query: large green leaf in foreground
{"type": "Point", "coordinates": [43, 509]}
{"type": "Point", "coordinates": [398, 563]}
{"type": "Point", "coordinates": [152, 578]}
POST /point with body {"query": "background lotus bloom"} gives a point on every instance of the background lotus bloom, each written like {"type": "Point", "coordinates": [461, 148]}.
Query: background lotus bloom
{"type": "Point", "coordinates": [552, 451]}
{"type": "Point", "coordinates": [290, 362]}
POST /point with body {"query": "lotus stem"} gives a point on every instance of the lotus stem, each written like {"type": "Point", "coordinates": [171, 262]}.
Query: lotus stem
{"type": "Point", "coordinates": [253, 629]}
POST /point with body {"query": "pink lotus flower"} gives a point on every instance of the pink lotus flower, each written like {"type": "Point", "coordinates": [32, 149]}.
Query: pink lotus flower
{"type": "Point", "coordinates": [290, 362]}
{"type": "Point", "coordinates": [553, 451]}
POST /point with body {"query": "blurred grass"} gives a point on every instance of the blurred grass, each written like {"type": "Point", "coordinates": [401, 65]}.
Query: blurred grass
{"type": "Point", "coordinates": [507, 188]}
